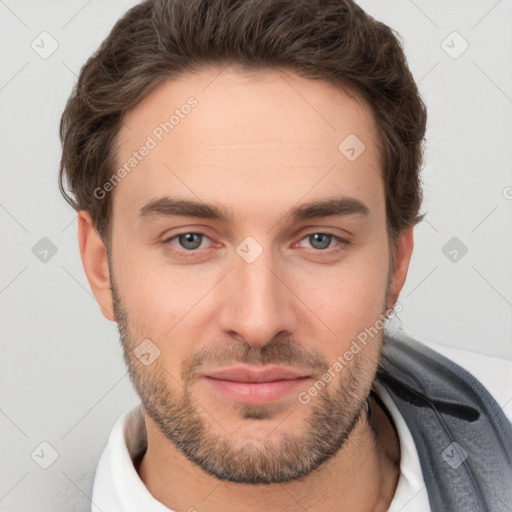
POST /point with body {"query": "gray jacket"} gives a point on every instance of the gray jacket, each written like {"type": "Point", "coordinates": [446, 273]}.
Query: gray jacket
{"type": "Point", "coordinates": [463, 438]}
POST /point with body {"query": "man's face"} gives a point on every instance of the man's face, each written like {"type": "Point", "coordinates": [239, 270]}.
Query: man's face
{"type": "Point", "coordinates": [271, 286]}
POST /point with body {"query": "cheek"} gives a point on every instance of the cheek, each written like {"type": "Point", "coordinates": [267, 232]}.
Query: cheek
{"type": "Point", "coordinates": [164, 303]}
{"type": "Point", "coordinates": [349, 304]}
{"type": "Point", "coordinates": [155, 297]}
{"type": "Point", "coordinates": [348, 297]}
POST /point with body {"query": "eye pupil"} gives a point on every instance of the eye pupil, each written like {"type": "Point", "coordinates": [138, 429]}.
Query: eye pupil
{"type": "Point", "coordinates": [190, 240]}
{"type": "Point", "coordinates": [320, 240]}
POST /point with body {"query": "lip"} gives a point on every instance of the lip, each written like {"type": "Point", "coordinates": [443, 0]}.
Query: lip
{"type": "Point", "coordinates": [255, 374]}
{"type": "Point", "coordinates": [253, 385]}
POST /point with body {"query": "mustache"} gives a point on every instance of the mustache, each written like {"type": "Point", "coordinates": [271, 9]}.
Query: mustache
{"type": "Point", "coordinates": [284, 351]}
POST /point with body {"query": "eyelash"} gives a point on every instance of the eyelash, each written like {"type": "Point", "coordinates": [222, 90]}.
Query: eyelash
{"type": "Point", "coordinates": [342, 243]}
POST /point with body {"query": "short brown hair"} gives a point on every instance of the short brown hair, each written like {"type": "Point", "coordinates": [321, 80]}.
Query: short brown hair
{"type": "Point", "coordinates": [334, 41]}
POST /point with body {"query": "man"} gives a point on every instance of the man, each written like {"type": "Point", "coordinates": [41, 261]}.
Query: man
{"type": "Point", "coordinates": [247, 180]}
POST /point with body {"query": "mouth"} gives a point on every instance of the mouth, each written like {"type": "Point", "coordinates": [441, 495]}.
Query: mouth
{"type": "Point", "coordinates": [255, 385]}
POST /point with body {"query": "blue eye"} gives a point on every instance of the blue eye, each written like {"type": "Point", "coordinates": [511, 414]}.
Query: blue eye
{"type": "Point", "coordinates": [187, 241]}
{"type": "Point", "coordinates": [322, 241]}
{"type": "Point", "coordinates": [190, 240]}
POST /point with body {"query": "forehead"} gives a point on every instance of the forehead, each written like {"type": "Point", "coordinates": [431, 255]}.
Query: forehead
{"type": "Point", "coordinates": [239, 136]}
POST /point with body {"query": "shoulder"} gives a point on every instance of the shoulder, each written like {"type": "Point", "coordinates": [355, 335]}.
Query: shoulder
{"type": "Point", "coordinates": [494, 373]}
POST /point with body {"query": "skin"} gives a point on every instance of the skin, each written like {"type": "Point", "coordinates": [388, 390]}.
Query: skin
{"type": "Point", "coordinates": [258, 144]}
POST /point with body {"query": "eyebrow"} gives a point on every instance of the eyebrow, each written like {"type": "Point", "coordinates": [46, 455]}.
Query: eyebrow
{"type": "Point", "coordinates": [168, 206]}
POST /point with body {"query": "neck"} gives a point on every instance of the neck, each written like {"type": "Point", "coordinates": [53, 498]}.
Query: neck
{"type": "Point", "coordinates": [362, 475]}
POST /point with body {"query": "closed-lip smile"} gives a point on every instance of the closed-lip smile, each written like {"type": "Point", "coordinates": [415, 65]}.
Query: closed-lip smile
{"type": "Point", "coordinates": [255, 385]}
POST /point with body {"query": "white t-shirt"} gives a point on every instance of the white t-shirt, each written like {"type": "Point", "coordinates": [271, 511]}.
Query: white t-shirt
{"type": "Point", "coordinates": [118, 487]}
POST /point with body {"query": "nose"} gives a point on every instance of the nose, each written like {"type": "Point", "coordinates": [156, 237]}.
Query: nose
{"type": "Point", "coordinates": [257, 301]}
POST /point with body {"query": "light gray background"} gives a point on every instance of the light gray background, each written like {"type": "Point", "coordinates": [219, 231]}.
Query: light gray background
{"type": "Point", "coordinates": [62, 376]}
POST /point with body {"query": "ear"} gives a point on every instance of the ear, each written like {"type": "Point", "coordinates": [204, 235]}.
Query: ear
{"type": "Point", "coordinates": [402, 257]}
{"type": "Point", "coordinates": [94, 260]}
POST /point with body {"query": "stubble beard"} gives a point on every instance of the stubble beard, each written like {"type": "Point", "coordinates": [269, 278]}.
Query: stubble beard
{"type": "Point", "coordinates": [332, 418]}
